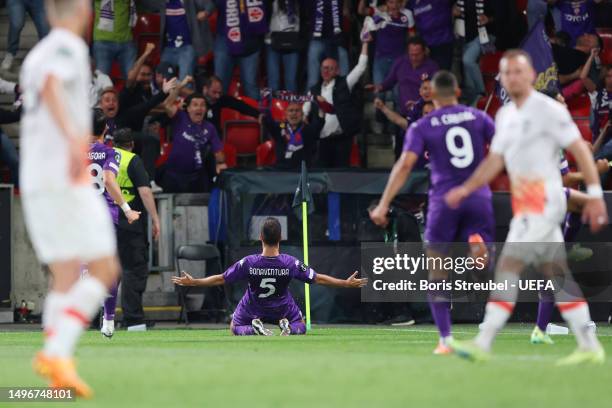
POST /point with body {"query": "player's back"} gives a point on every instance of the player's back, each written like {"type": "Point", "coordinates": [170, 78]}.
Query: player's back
{"type": "Point", "coordinates": [44, 163]}
{"type": "Point", "coordinates": [455, 137]}
{"type": "Point", "coordinates": [268, 279]}
{"type": "Point", "coordinates": [103, 157]}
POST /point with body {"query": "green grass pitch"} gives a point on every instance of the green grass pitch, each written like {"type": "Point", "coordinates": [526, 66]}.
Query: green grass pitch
{"type": "Point", "coordinates": [329, 367]}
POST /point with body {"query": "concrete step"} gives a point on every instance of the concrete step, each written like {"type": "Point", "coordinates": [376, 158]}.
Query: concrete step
{"type": "Point", "coordinates": [379, 139]}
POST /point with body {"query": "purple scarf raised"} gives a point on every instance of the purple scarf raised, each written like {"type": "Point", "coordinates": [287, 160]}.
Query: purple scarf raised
{"type": "Point", "coordinates": [320, 17]}
{"type": "Point", "coordinates": [242, 18]}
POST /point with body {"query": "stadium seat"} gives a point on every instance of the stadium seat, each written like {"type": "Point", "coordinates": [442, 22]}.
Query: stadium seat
{"type": "Point", "coordinates": [584, 126]}
{"type": "Point", "coordinates": [244, 135]}
{"type": "Point", "coordinates": [500, 183]}
{"type": "Point", "coordinates": [211, 257]}
{"type": "Point", "coordinates": [226, 116]}
{"type": "Point", "coordinates": [231, 156]}
{"type": "Point", "coordinates": [116, 76]}
{"type": "Point", "coordinates": [355, 160]}
{"type": "Point", "coordinates": [277, 110]}
{"type": "Point", "coordinates": [265, 154]}
{"type": "Point", "coordinates": [489, 65]}
{"type": "Point", "coordinates": [493, 106]}
{"type": "Point", "coordinates": [606, 55]}
{"type": "Point", "coordinates": [579, 106]}
{"type": "Point", "coordinates": [149, 23]}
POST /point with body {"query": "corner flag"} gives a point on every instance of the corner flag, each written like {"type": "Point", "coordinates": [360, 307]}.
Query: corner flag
{"type": "Point", "coordinates": [303, 198]}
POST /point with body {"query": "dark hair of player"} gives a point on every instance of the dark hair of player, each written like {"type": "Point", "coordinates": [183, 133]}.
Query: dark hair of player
{"type": "Point", "coordinates": [99, 122]}
{"type": "Point", "coordinates": [445, 84]}
{"type": "Point", "coordinates": [271, 231]}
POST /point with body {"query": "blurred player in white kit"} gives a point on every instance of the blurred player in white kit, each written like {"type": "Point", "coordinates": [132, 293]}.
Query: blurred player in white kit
{"type": "Point", "coordinates": [68, 222]}
{"type": "Point", "coordinates": [530, 132]}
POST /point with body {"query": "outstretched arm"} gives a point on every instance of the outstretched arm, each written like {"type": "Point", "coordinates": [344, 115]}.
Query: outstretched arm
{"type": "Point", "coordinates": [484, 174]}
{"type": "Point", "coordinates": [351, 282]}
{"type": "Point", "coordinates": [188, 280]}
{"type": "Point", "coordinates": [135, 70]}
{"type": "Point", "coordinates": [393, 116]}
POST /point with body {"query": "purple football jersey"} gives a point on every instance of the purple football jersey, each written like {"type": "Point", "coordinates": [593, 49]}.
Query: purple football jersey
{"type": "Point", "coordinates": [576, 17]}
{"type": "Point", "coordinates": [434, 20]}
{"type": "Point", "coordinates": [267, 294]}
{"type": "Point", "coordinates": [103, 157]}
{"type": "Point", "coordinates": [456, 138]}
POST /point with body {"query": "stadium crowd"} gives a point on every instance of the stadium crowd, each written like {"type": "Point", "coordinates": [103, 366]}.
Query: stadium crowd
{"type": "Point", "coordinates": [191, 86]}
{"type": "Point", "coordinates": [244, 69]}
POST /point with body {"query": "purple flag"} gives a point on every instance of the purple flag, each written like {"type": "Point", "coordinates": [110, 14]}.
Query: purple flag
{"type": "Point", "coordinates": [537, 45]}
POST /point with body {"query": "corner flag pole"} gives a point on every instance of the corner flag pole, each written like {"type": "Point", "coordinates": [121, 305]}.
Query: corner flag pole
{"type": "Point", "coordinates": [303, 198]}
{"type": "Point", "coordinates": [305, 245]}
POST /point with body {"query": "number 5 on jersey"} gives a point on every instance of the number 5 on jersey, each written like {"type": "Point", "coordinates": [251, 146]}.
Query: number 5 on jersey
{"type": "Point", "coordinates": [268, 284]}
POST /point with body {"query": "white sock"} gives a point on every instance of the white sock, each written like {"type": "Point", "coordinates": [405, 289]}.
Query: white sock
{"type": "Point", "coordinates": [577, 316]}
{"type": "Point", "coordinates": [446, 340]}
{"type": "Point", "coordinates": [82, 303]}
{"type": "Point", "coordinates": [54, 302]}
{"type": "Point", "coordinates": [496, 315]}
{"type": "Point", "coordinates": [498, 310]}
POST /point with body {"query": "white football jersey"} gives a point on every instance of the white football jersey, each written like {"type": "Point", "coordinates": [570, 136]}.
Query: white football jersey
{"type": "Point", "coordinates": [44, 149]}
{"type": "Point", "coordinates": [530, 138]}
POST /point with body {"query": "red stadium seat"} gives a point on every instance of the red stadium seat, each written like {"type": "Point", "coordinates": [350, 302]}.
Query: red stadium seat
{"type": "Point", "coordinates": [244, 135]}
{"type": "Point", "coordinates": [580, 105]}
{"type": "Point", "coordinates": [265, 154]}
{"type": "Point", "coordinates": [277, 109]}
{"type": "Point", "coordinates": [228, 115]}
{"type": "Point", "coordinates": [606, 55]}
{"type": "Point", "coordinates": [489, 63]}
{"type": "Point", "coordinates": [149, 23]}
{"type": "Point", "coordinates": [355, 160]}
{"type": "Point", "coordinates": [147, 30]}
{"type": "Point", "coordinates": [231, 156]}
{"type": "Point", "coordinates": [493, 106]}
{"type": "Point", "coordinates": [501, 183]}
{"type": "Point", "coordinates": [584, 126]}
{"type": "Point", "coordinates": [212, 21]}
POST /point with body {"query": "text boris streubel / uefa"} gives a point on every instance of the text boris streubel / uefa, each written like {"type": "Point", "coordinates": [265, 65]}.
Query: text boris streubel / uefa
{"type": "Point", "coordinates": [461, 285]}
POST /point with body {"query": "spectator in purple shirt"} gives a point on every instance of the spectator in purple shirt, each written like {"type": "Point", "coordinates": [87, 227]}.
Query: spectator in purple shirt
{"type": "Point", "coordinates": [434, 23]}
{"type": "Point", "coordinates": [186, 170]}
{"type": "Point", "coordinates": [577, 17]}
{"type": "Point", "coordinates": [390, 26]}
{"type": "Point", "coordinates": [408, 72]}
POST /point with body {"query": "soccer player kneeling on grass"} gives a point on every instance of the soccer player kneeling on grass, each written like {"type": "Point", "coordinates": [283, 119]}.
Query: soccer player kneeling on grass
{"type": "Point", "coordinates": [267, 298]}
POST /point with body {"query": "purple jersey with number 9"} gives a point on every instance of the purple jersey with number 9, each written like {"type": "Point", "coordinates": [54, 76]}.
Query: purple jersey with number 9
{"type": "Point", "coordinates": [456, 138]}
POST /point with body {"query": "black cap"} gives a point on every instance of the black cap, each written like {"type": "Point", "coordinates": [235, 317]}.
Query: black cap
{"type": "Point", "coordinates": [167, 69]}
{"type": "Point", "coordinates": [123, 136]}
